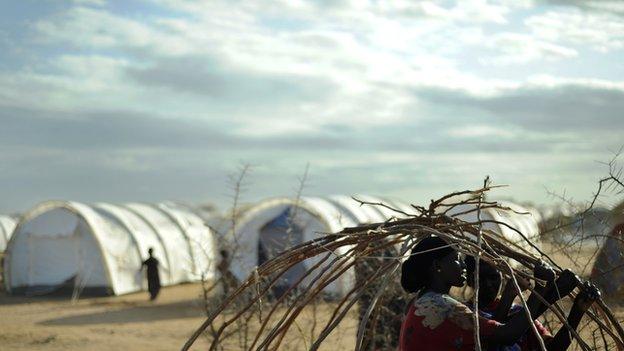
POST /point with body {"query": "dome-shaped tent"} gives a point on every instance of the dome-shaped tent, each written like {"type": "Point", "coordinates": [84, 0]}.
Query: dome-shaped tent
{"type": "Point", "coordinates": [99, 248]}
{"type": "Point", "coordinates": [7, 224]}
{"type": "Point", "coordinates": [520, 218]}
{"type": "Point", "coordinates": [274, 225]}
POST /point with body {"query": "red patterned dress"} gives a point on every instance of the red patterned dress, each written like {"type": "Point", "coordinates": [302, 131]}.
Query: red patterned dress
{"type": "Point", "coordinates": [438, 322]}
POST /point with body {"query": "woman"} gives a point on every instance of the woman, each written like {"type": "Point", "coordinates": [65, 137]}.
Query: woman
{"type": "Point", "coordinates": [491, 307]}
{"type": "Point", "coordinates": [437, 322]}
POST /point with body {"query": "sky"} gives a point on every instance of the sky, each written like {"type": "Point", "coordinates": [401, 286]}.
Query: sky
{"type": "Point", "coordinates": [152, 100]}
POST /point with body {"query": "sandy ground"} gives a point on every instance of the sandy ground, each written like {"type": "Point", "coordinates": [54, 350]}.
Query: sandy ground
{"type": "Point", "coordinates": [131, 322]}
{"type": "Point", "coordinates": [126, 322]}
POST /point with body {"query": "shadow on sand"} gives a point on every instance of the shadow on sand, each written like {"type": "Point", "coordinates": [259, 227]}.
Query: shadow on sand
{"type": "Point", "coordinates": [146, 312]}
{"type": "Point", "coordinates": [6, 299]}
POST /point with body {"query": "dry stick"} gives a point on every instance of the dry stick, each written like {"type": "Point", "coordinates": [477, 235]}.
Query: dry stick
{"type": "Point", "coordinates": [526, 307]}
{"type": "Point", "coordinates": [525, 239]}
{"type": "Point", "coordinates": [524, 303]}
{"type": "Point", "coordinates": [283, 297]}
{"type": "Point", "coordinates": [360, 336]}
{"type": "Point", "coordinates": [281, 331]}
{"type": "Point", "coordinates": [360, 289]}
{"type": "Point", "coordinates": [225, 303]}
{"type": "Point", "coordinates": [344, 299]}
{"type": "Point", "coordinates": [322, 285]}
{"type": "Point", "coordinates": [361, 237]}
{"type": "Point", "coordinates": [479, 208]}
{"type": "Point", "coordinates": [246, 308]}
{"type": "Point", "coordinates": [272, 282]}
{"type": "Point", "coordinates": [472, 201]}
{"type": "Point", "coordinates": [606, 327]}
{"type": "Point", "coordinates": [435, 203]}
{"type": "Point", "coordinates": [296, 204]}
{"type": "Point", "coordinates": [556, 310]}
{"type": "Point", "coordinates": [382, 205]}
{"type": "Point", "coordinates": [310, 285]}
{"type": "Point", "coordinates": [611, 318]}
{"type": "Point", "coordinates": [477, 336]}
{"type": "Point", "coordinates": [604, 340]}
{"type": "Point", "coordinates": [518, 256]}
{"type": "Point", "coordinates": [317, 289]}
{"type": "Point", "coordinates": [237, 184]}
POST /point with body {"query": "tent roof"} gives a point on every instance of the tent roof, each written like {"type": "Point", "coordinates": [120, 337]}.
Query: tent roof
{"type": "Point", "coordinates": [331, 214]}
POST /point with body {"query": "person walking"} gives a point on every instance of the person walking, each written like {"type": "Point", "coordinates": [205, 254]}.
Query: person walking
{"type": "Point", "coordinates": [153, 279]}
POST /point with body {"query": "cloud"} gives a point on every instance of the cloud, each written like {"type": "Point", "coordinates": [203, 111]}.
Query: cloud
{"type": "Point", "coordinates": [599, 6]}
{"type": "Point", "coordinates": [125, 130]}
{"type": "Point", "coordinates": [211, 79]}
{"type": "Point", "coordinates": [604, 32]}
{"type": "Point", "coordinates": [480, 131]}
{"type": "Point", "coordinates": [166, 98]}
{"type": "Point", "coordinates": [518, 48]}
{"type": "Point", "coordinates": [573, 106]}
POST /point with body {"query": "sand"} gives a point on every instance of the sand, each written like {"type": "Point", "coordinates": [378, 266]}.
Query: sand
{"type": "Point", "coordinates": [128, 322]}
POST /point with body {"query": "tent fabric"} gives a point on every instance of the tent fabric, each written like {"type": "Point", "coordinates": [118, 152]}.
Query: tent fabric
{"type": "Point", "coordinates": [521, 218]}
{"type": "Point", "coordinates": [7, 224]}
{"type": "Point", "coordinates": [100, 247]}
{"type": "Point", "coordinates": [313, 216]}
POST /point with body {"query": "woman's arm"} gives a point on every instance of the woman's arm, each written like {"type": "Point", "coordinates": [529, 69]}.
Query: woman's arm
{"type": "Point", "coordinates": [583, 301]}
{"type": "Point", "coordinates": [519, 324]}
{"type": "Point", "coordinates": [507, 298]}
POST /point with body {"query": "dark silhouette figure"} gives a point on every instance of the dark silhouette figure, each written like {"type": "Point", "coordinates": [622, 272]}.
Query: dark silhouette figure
{"type": "Point", "coordinates": [153, 279]}
{"type": "Point", "coordinates": [228, 279]}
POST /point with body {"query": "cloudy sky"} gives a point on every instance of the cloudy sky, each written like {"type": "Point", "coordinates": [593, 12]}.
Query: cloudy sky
{"type": "Point", "coordinates": [157, 99]}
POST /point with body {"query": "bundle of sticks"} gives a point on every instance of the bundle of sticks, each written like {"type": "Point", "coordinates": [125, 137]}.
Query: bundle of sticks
{"type": "Point", "coordinates": [376, 251]}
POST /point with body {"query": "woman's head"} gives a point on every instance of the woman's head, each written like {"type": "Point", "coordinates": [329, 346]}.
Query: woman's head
{"type": "Point", "coordinates": [432, 260]}
{"type": "Point", "coordinates": [490, 280]}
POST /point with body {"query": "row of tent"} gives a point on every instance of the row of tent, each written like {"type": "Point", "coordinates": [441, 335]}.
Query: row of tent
{"type": "Point", "coordinates": [99, 248]}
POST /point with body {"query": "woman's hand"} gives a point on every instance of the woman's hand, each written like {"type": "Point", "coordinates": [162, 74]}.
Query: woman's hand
{"type": "Point", "coordinates": [544, 272]}
{"type": "Point", "coordinates": [566, 282]}
{"type": "Point", "coordinates": [588, 294]}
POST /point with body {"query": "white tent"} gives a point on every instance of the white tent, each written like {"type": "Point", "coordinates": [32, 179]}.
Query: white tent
{"type": "Point", "coordinates": [555, 211]}
{"type": "Point", "coordinates": [99, 248]}
{"type": "Point", "coordinates": [520, 218]}
{"type": "Point", "coordinates": [274, 225]}
{"type": "Point", "coordinates": [7, 224]}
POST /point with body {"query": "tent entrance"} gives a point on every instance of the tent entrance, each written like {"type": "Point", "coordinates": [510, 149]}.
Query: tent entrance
{"type": "Point", "coordinates": [53, 264]}
{"type": "Point", "coordinates": [277, 236]}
